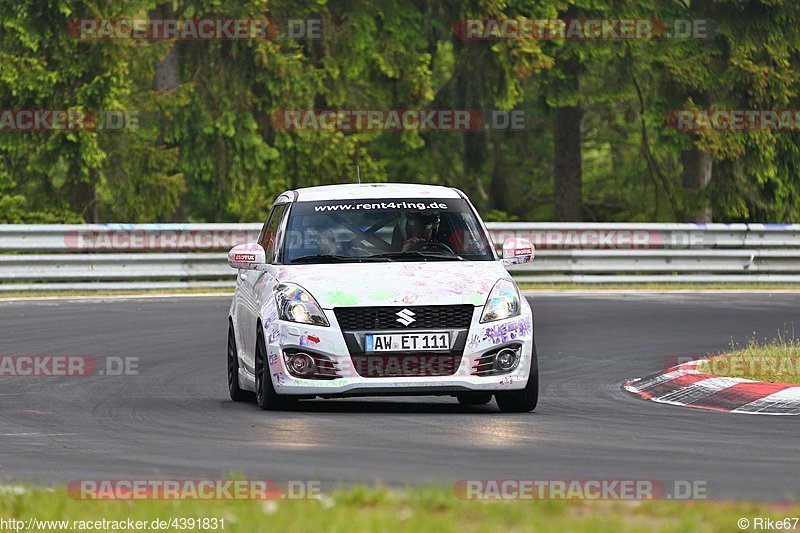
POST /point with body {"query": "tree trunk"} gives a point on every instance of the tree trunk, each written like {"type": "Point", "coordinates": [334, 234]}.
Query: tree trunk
{"type": "Point", "coordinates": [498, 189]}
{"type": "Point", "coordinates": [474, 157]}
{"type": "Point", "coordinates": [79, 194]}
{"type": "Point", "coordinates": [167, 69]}
{"type": "Point", "coordinates": [696, 177]}
{"type": "Point", "coordinates": [567, 164]}
{"type": "Point", "coordinates": [95, 202]}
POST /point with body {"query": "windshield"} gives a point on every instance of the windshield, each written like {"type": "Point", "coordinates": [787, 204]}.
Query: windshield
{"type": "Point", "coordinates": [384, 230]}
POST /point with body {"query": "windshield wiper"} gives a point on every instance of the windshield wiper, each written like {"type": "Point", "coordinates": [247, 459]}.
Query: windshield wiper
{"type": "Point", "coordinates": [329, 258]}
{"type": "Point", "coordinates": [438, 256]}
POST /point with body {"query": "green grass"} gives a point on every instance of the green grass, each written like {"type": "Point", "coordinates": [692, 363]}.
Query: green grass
{"type": "Point", "coordinates": [774, 361]}
{"type": "Point", "coordinates": [432, 509]}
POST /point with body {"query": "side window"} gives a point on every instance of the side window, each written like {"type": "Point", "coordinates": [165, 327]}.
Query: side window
{"type": "Point", "coordinates": [270, 239]}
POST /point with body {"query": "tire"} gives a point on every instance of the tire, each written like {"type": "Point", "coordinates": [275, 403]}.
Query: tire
{"type": "Point", "coordinates": [237, 394]}
{"type": "Point", "coordinates": [474, 399]}
{"type": "Point", "coordinates": [266, 397]}
{"type": "Point", "coordinates": [523, 400]}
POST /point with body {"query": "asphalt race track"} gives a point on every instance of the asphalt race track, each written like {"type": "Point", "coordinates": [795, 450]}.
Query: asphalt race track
{"type": "Point", "coordinates": [174, 420]}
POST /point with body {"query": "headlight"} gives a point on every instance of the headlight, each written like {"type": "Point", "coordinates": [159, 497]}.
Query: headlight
{"type": "Point", "coordinates": [503, 302]}
{"type": "Point", "coordinates": [296, 305]}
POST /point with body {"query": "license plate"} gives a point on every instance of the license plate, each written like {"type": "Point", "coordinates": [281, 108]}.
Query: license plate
{"type": "Point", "coordinates": [408, 342]}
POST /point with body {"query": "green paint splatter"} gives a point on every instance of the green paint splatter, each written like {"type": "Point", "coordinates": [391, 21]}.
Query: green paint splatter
{"type": "Point", "coordinates": [381, 294]}
{"type": "Point", "coordinates": [474, 298]}
{"type": "Point", "coordinates": [342, 298]}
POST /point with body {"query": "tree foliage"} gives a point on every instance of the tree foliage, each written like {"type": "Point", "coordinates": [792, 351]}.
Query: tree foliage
{"type": "Point", "coordinates": [207, 149]}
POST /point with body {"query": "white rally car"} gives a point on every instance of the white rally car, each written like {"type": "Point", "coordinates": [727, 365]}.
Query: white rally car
{"type": "Point", "coordinates": [378, 290]}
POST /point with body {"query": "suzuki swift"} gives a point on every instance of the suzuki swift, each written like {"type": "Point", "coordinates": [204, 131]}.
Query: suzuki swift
{"type": "Point", "coordinates": [379, 290]}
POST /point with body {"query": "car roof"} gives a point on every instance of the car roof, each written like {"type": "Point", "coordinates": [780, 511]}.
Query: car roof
{"type": "Point", "coordinates": [369, 191]}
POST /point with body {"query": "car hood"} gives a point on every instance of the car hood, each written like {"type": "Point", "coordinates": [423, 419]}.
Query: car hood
{"type": "Point", "coordinates": [398, 283]}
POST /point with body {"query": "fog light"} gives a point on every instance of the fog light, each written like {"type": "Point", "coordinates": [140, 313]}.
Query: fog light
{"type": "Point", "coordinates": [301, 364]}
{"type": "Point", "coordinates": [506, 360]}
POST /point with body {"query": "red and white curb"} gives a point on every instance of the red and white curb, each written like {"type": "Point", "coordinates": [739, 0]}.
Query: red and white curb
{"type": "Point", "coordinates": [685, 385]}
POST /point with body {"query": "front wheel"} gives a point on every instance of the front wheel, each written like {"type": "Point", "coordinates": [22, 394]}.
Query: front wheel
{"type": "Point", "coordinates": [266, 397]}
{"type": "Point", "coordinates": [523, 400]}
{"type": "Point", "coordinates": [236, 392]}
{"type": "Point", "coordinates": [474, 399]}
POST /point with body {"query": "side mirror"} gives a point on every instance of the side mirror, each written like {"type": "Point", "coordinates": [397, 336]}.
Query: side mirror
{"type": "Point", "coordinates": [250, 256]}
{"type": "Point", "coordinates": [517, 251]}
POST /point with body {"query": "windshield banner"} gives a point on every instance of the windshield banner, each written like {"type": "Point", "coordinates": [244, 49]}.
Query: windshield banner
{"type": "Point", "coordinates": [382, 204]}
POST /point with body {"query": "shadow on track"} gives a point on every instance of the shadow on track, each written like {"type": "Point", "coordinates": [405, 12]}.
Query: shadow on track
{"type": "Point", "coordinates": [380, 406]}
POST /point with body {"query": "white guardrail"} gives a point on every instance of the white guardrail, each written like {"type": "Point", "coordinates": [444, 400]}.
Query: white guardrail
{"type": "Point", "coordinates": [125, 256]}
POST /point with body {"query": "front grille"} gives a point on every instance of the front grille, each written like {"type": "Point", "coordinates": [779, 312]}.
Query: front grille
{"type": "Point", "coordinates": [405, 365]}
{"type": "Point", "coordinates": [484, 365]}
{"type": "Point", "coordinates": [424, 317]}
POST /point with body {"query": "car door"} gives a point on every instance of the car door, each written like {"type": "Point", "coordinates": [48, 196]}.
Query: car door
{"type": "Point", "coordinates": [252, 284]}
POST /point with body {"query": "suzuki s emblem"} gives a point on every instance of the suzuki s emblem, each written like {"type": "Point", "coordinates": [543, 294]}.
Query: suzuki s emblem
{"type": "Point", "coordinates": [405, 317]}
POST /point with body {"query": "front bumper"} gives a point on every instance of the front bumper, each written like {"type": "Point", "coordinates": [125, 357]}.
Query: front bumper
{"type": "Point", "coordinates": [330, 341]}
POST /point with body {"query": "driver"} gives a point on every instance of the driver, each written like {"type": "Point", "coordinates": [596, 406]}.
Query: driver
{"type": "Point", "coordinates": [316, 233]}
{"type": "Point", "coordinates": [420, 227]}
